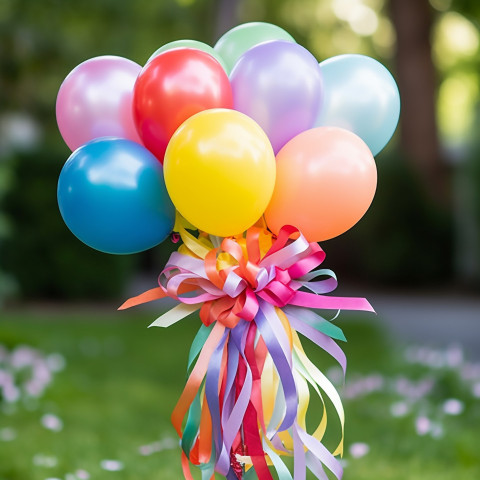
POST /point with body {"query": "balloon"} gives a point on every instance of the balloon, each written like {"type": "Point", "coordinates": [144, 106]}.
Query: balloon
{"type": "Point", "coordinates": [326, 180]}
{"type": "Point", "coordinates": [171, 88]}
{"type": "Point", "coordinates": [234, 43]}
{"type": "Point", "coordinates": [112, 196]}
{"type": "Point", "coordinates": [279, 85]}
{"type": "Point", "coordinates": [95, 100]}
{"type": "Point", "coordinates": [190, 44]}
{"type": "Point", "coordinates": [220, 171]}
{"type": "Point", "coordinates": [360, 95]}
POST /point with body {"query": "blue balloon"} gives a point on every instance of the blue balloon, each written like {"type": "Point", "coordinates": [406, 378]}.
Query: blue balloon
{"type": "Point", "coordinates": [112, 196]}
{"type": "Point", "coordinates": [360, 95]}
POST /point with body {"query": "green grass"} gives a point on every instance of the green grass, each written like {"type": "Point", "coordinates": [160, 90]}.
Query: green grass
{"type": "Point", "coordinates": [122, 380]}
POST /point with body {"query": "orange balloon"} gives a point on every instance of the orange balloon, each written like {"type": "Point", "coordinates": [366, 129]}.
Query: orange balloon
{"type": "Point", "coordinates": [326, 180]}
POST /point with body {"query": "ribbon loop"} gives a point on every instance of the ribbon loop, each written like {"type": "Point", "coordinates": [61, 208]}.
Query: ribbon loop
{"type": "Point", "coordinates": [247, 395]}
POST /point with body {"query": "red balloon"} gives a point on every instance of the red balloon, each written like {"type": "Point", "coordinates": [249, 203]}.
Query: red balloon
{"type": "Point", "coordinates": [171, 88]}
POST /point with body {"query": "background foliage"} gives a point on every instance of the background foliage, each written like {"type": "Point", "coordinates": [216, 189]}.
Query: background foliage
{"type": "Point", "coordinates": [423, 214]}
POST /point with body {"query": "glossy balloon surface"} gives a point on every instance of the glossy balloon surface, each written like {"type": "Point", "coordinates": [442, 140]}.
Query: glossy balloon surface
{"type": "Point", "coordinates": [112, 196]}
{"type": "Point", "coordinates": [361, 96]}
{"type": "Point", "coordinates": [95, 100]}
{"type": "Point", "coordinates": [279, 85]}
{"type": "Point", "coordinates": [187, 43]}
{"type": "Point", "coordinates": [220, 171]}
{"type": "Point", "coordinates": [234, 43]}
{"type": "Point", "coordinates": [326, 180]}
{"type": "Point", "coordinates": [171, 88]}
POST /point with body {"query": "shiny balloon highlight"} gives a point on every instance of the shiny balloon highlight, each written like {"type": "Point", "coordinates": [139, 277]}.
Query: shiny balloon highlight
{"type": "Point", "coordinates": [95, 100]}
{"type": "Point", "coordinates": [172, 87]}
{"type": "Point", "coordinates": [361, 96]}
{"type": "Point", "coordinates": [196, 45]}
{"type": "Point", "coordinates": [279, 85]}
{"type": "Point", "coordinates": [234, 43]}
{"type": "Point", "coordinates": [326, 180]}
{"type": "Point", "coordinates": [112, 196]}
{"type": "Point", "coordinates": [253, 131]}
{"type": "Point", "coordinates": [220, 171]}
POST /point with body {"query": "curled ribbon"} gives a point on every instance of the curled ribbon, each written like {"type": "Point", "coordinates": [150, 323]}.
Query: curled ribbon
{"type": "Point", "coordinates": [247, 394]}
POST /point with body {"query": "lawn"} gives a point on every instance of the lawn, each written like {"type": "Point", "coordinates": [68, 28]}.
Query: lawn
{"type": "Point", "coordinates": [412, 412]}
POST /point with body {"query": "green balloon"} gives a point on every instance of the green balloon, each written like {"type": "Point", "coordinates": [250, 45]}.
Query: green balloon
{"type": "Point", "coordinates": [234, 43]}
{"type": "Point", "coordinates": [191, 44]}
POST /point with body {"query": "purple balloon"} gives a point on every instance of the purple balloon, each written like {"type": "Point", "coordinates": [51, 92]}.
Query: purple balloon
{"type": "Point", "coordinates": [279, 85]}
{"type": "Point", "coordinates": [95, 100]}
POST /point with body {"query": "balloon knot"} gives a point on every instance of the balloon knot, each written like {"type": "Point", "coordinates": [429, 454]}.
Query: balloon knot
{"type": "Point", "coordinates": [235, 464]}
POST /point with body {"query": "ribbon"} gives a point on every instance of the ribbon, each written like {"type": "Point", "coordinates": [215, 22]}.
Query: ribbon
{"type": "Point", "coordinates": [245, 402]}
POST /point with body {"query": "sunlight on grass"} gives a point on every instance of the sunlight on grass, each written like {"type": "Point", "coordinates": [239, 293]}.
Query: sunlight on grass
{"type": "Point", "coordinates": [105, 414]}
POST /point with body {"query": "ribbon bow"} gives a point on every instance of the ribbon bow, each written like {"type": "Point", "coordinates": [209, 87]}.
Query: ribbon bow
{"type": "Point", "coordinates": [227, 283]}
{"type": "Point", "coordinates": [247, 394]}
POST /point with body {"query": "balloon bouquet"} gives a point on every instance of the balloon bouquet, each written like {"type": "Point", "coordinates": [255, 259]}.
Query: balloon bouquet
{"type": "Point", "coordinates": [265, 152]}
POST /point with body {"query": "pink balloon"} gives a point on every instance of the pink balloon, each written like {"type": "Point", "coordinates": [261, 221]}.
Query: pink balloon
{"type": "Point", "coordinates": [95, 100]}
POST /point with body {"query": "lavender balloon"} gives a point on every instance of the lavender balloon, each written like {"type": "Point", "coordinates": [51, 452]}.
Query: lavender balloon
{"type": "Point", "coordinates": [95, 100]}
{"type": "Point", "coordinates": [279, 85]}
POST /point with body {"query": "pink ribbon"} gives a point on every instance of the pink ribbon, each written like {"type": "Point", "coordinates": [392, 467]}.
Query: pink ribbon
{"type": "Point", "coordinates": [233, 293]}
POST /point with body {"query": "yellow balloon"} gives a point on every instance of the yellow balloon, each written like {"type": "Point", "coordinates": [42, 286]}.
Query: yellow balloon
{"type": "Point", "coordinates": [220, 171]}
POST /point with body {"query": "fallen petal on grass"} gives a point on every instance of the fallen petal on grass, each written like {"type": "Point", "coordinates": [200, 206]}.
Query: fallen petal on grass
{"type": "Point", "coordinates": [453, 407]}
{"type": "Point", "coordinates": [422, 425]}
{"type": "Point", "coordinates": [82, 475]}
{"type": "Point", "coordinates": [52, 422]}
{"type": "Point", "coordinates": [46, 461]}
{"type": "Point", "coordinates": [399, 409]}
{"type": "Point", "coordinates": [359, 449]}
{"type": "Point", "coordinates": [111, 465]}
{"type": "Point", "coordinates": [7, 434]}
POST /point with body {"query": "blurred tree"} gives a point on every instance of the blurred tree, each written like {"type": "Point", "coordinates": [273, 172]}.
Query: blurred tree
{"type": "Point", "coordinates": [417, 82]}
{"type": "Point", "coordinates": [228, 12]}
{"type": "Point", "coordinates": [7, 283]}
{"type": "Point", "coordinates": [470, 8]}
